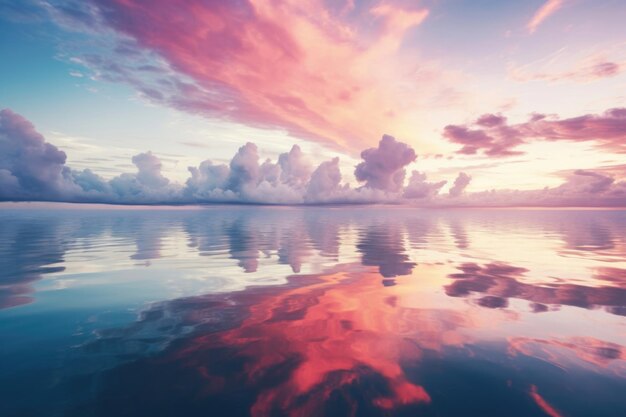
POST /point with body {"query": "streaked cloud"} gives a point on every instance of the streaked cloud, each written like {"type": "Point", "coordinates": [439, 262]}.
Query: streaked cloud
{"type": "Point", "coordinates": [492, 135]}
{"type": "Point", "coordinates": [545, 11]}
{"type": "Point", "coordinates": [238, 60]}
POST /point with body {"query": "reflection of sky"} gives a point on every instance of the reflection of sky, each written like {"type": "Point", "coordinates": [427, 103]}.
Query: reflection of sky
{"type": "Point", "coordinates": [329, 302]}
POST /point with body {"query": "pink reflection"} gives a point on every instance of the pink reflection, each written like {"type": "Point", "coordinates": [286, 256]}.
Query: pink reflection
{"type": "Point", "coordinates": [542, 403]}
{"type": "Point", "coordinates": [337, 330]}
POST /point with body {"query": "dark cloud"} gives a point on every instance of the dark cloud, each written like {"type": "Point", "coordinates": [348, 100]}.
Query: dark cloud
{"type": "Point", "coordinates": [491, 301]}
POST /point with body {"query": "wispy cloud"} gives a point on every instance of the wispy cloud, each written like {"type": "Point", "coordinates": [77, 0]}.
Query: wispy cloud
{"type": "Point", "coordinates": [545, 11]}
{"type": "Point", "coordinates": [569, 65]}
{"type": "Point", "coordinates": [238, 61]}
{"type": "Point", "coordinates": [587, 73]}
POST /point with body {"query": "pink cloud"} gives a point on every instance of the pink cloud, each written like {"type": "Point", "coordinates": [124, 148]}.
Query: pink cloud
{"type": "Point", "coordinates": [490, 134]}
{"type": "Point", "coordinates": [582, 73]}
{"type": "Point", "coordinates": [607, 129]}
{"type": "Point", "coordinates": [581, 188]}
{"type": "Point", "coordinates": [545, 11]}
{"type": "Point", "coordinates": [247, 64]}
{"type": "Point", "coordinates": [460, 183]}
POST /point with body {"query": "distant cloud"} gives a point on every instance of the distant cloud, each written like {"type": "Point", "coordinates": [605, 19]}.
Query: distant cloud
{"type": "Point", "coordinates": [33, 169]}
{"type": "Point", "coordinates": [149, 167]}
{"type": "Point", "coordinates": [295, 169]}
{"type": "Point", "coordinates": [582, 188]}
{"type": "Point", "coordinates": [545, 11]}
{"type": "Point", "coordinates": [419, 188]}
{"type": "Point", "coordinates": [146, 186]}
{"type": "Point", "coordinates": [383, 167]}
{"type": "Point", "coordinates": [583, 72]}
{"type": "Point", "coordinates": [492, 135]}
{"type": "Point", "coordinates": [28, 165]}
{"type": "Point", "coordinates": [325, 182]}
{"type": "Point", "coordinates": [460, 183]}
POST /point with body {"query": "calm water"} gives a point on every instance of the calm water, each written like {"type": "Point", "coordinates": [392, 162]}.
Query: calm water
{"type": "Point", "coordinates": [236, 311]}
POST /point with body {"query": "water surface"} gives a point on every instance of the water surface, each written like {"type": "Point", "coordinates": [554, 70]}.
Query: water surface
{"type": "Point", "coordinates": [237, 311]}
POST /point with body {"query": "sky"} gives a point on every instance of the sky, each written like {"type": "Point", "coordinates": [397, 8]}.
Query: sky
{"type": "Point", "coordinates": [431, 103]}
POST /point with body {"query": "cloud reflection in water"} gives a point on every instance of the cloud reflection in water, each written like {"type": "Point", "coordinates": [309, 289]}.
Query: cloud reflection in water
{"type": "Point", "coordinates": [328, 311]}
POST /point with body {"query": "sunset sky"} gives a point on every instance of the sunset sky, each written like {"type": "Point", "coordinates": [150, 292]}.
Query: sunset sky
{"type": "Point", "coordinates": [527, 98]}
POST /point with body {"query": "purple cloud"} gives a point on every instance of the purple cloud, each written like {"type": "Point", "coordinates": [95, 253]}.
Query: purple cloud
{"type": "Point", "coordinates": [491, 135]}
{"type": "Point", "coordinates": [32, 169]}
{"type": "Point", "coordinates": [383, 167]}
{"type": "Point", "coordinates": [29, 165]}
{"type": "Point", "coordinates": [295, 169]}
{"type": "Point", "coordinates": [419, 188]}
{"type": "Point", "coordinates": [325, 180]}
{"type": "Point", "coordinates": [460, 183]}
{"type": "Point", "coordinates": [149, 170]}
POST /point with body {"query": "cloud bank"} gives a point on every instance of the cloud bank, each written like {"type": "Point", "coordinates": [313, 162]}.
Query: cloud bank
{"type": "Point", "coordinates": [32, 169]}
